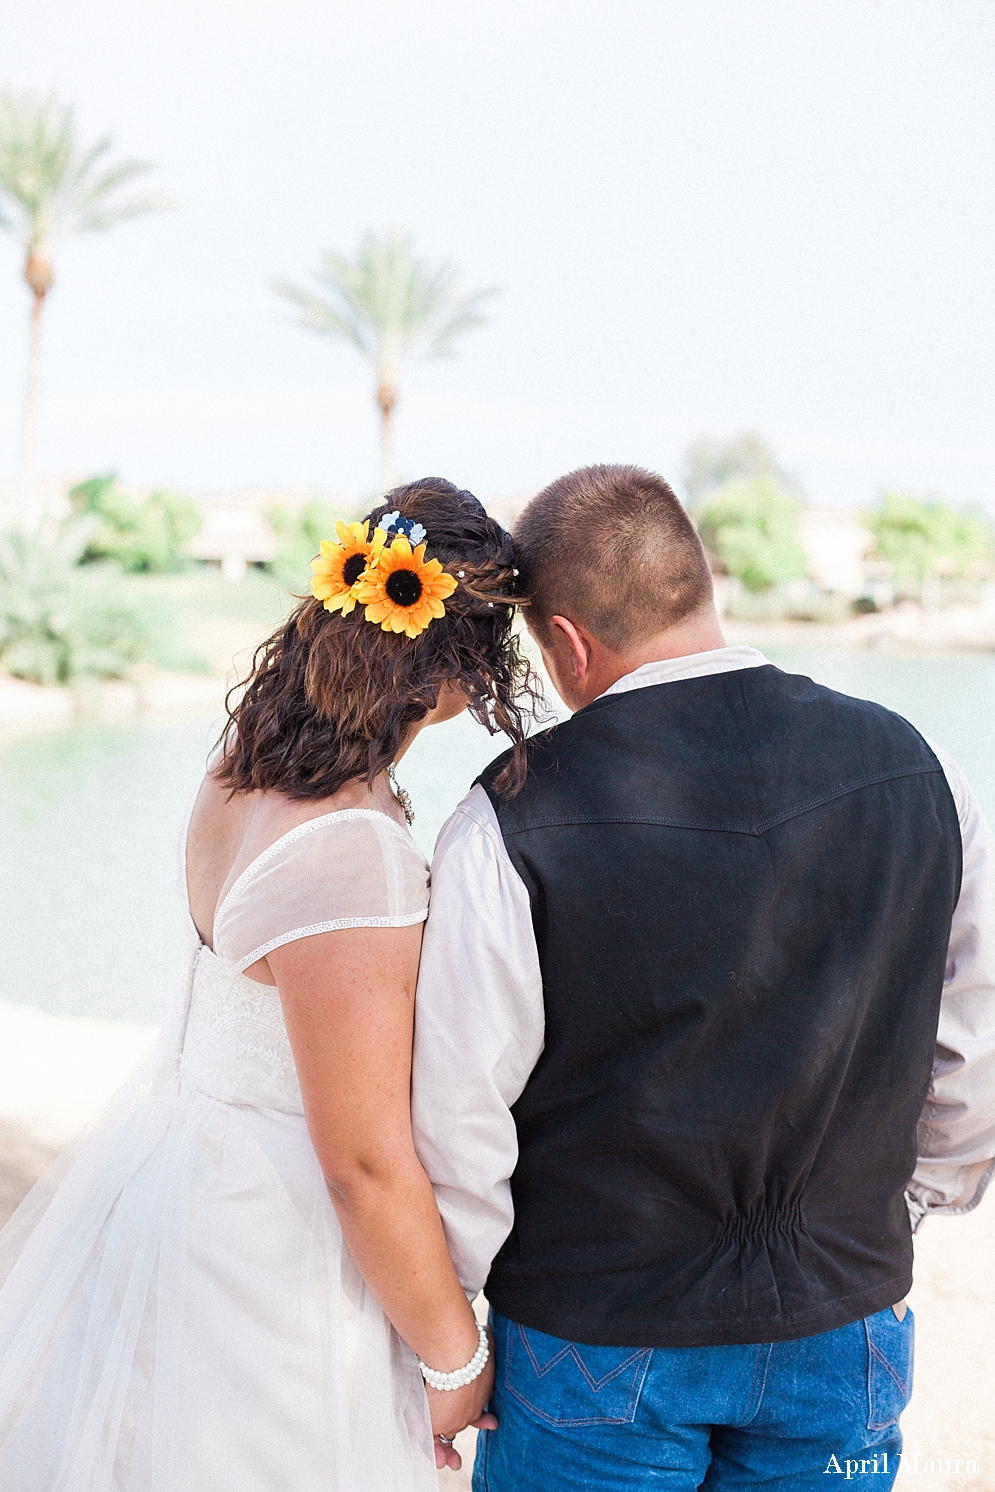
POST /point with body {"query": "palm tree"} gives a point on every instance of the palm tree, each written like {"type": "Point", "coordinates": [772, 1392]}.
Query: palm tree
{"type": "Point", "coordinates": [390, 306]}
{"type": "Point", "coordinates": [56, 186]}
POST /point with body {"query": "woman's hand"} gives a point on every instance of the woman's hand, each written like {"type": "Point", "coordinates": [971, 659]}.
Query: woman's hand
{"type": "Point", "coordinates": [454, 1410]}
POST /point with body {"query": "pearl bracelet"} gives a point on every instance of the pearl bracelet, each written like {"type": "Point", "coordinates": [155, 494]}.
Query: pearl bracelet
{"type": "Point", "coordinates": [460, 1377]}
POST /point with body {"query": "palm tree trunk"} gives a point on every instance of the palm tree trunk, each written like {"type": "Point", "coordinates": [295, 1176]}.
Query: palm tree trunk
{"type": "Point", "coordinates": [39, 278]}
{"type": "Point", "coordinates": [386, 399]}
{"type": "Point", "coordinates": [28, 462]}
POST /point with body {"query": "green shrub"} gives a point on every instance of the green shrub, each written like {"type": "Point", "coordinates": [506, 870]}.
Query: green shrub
{"type": "Point", "coordinates": [60, 624]}
{"type": "Point", "coordinates": [299, 532]}
{"type": "Point", "coordinates": [141, 535]}
{"type": "Point", "coordinates": [921, 540]}
{"type": "Point", "coordinates": [751, 527]}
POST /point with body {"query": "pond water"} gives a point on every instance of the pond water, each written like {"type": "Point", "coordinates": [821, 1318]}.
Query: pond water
{"type": "Point", "coordinates": [91, 915]}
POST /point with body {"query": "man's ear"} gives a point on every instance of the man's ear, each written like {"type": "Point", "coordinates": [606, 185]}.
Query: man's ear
{"type": "Point", "coordinates": [570, 646]}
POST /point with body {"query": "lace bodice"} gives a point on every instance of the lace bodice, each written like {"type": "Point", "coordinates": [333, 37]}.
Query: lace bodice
{"type": "Point", "coordinates": [354, 868]}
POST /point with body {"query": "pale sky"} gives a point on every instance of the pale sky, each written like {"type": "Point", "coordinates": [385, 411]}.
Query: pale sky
{"type": "Point", "coordinates": [703, 214]}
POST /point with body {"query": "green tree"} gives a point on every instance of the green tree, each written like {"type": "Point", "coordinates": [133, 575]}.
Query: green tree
{"type": "Point", "coordinates": [711, 462]}
{"type": "Point", "coordinates": [53, 186]}
{"type": "Point", "coordinates": [923, 541]}
{"type": "Point", "coordinates": [391, 307]}
{"type": "Point", "coordinates": [751, 527]}
{"type": "Point", "coordinates": [150, 534]}
{"type": "Point", "coordinates": [60, 623]}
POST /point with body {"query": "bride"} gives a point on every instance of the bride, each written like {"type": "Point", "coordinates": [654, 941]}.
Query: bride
{"type": "Point", "coordinates": [238, 1282]}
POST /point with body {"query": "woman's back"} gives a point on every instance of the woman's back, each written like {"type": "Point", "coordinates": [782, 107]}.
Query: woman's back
{"type": "Point", "coordinates": [343, 868]}
{"type": "Point", "coordinates": [226, 1285]}
{"type": "Point", "coordinates": [232, 838]}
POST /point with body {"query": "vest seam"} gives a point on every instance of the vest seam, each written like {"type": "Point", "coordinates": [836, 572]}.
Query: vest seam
{"type": "Point", "coordinates": [753, 833]}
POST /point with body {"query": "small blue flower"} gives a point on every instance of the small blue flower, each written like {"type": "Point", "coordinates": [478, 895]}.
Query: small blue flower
{"type": "Point", "coordinates": [393, 523]}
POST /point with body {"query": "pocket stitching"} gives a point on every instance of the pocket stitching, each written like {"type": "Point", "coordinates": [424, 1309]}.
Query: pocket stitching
{"type": "Point", "coordinates": [902, 1386]}
{"type": "Point", "coordinates": [876, 1356]}
{"type": "Point", "coordinates": [759, 1383]}
{"type": "Point", "coordinates": [569, 1350]}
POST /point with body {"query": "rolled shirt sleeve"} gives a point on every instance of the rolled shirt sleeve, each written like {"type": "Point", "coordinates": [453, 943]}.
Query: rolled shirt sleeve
{"type": "Point", "coordinates": [956, 1140]}
{"type": "Point", "coordinates": [478, 1034]}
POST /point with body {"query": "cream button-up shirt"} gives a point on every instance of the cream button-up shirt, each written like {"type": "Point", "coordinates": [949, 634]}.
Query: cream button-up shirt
{"type": "Point", "coordinates": [479, 1020]}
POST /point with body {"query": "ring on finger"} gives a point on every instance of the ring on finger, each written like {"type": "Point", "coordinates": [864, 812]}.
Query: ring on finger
{"type": "Point", "coordinates": [445, 1439]}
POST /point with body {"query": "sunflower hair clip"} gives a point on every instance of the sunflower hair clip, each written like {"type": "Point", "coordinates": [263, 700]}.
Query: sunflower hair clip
{"type": "Point", "coordinates": [387, 574]}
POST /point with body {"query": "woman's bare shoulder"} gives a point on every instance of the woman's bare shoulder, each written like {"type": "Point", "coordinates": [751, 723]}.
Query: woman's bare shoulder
{"type": "Point", "coordinates": [230, 831]}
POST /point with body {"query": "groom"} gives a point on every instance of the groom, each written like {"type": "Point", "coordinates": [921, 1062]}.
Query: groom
{"type": "Point", "coordinates": [677, 1030]}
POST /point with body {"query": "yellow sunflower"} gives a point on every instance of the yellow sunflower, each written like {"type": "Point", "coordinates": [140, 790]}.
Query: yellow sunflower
{"type": "Point", "coordinates": [403, 591]}
{"type": "Point", "coordinates": [340, 567]}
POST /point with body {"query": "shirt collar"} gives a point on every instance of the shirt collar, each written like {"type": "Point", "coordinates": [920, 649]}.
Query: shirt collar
{"type": "Point", "coordinates": [691, 666]}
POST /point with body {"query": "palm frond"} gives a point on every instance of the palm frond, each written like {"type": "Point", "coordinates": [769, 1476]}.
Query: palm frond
{"type": "Point", "coordinates": [99, 219]}
{"type": "Point", "coordinates": [88, 187]}
{"type": "Point", "coordinates": [37, 137]}
{"type": "Point", "coordinates": [466, 315]}
{"type": "Point", "coordinates": [388, 303]}
{"type": "Point", "coordinates": [318, 315]}
{"type": "Point", "coordinates": [57, 184]}
{"type": "Point", "coordinates": [85, 161]}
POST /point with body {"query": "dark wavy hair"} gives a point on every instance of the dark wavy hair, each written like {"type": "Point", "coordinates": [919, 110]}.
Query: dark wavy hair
{"type": "Point", "coordinates": [331, 698]}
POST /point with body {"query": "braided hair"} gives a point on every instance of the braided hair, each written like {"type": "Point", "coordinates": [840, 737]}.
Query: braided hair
{"type": "Point", "coordinates": [331, 698]}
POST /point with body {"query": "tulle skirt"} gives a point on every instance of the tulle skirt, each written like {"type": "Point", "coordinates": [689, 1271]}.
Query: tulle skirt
{"type": "Point", "coordinates": [180, 1314]}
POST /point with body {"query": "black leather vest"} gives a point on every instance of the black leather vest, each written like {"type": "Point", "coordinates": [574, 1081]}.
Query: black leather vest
{"type": "Point", "coordinates": [742, 887]}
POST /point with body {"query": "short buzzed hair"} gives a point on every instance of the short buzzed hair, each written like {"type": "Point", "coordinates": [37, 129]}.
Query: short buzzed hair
{"type": "Point", "coordinates": [612, 549]}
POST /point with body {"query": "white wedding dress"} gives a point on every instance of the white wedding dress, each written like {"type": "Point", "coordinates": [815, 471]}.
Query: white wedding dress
{"type": "Point", "coordinates": [179, 1312]}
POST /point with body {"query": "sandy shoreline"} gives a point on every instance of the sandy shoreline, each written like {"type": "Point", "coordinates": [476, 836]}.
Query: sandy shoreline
{"type": "Point", "coordinates": [903, 629]}
{"type": "Point", "coordinates": [33, 705]}
{"type": "Point", "coordinates": [57, 1073]}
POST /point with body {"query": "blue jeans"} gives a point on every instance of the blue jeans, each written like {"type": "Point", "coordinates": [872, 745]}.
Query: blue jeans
{"type": "Point", "coordinates": [773, 1415]}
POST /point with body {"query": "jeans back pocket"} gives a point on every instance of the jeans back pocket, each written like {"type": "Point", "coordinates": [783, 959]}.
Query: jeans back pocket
{"type": "Point", "coordinates": [568, 1383]}
{"type": "Point", "coordinates": [889, 1366]}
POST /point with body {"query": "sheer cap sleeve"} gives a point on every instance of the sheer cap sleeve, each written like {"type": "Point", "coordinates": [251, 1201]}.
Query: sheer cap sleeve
{"type": "Point", "coordinates": [354, 868]}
